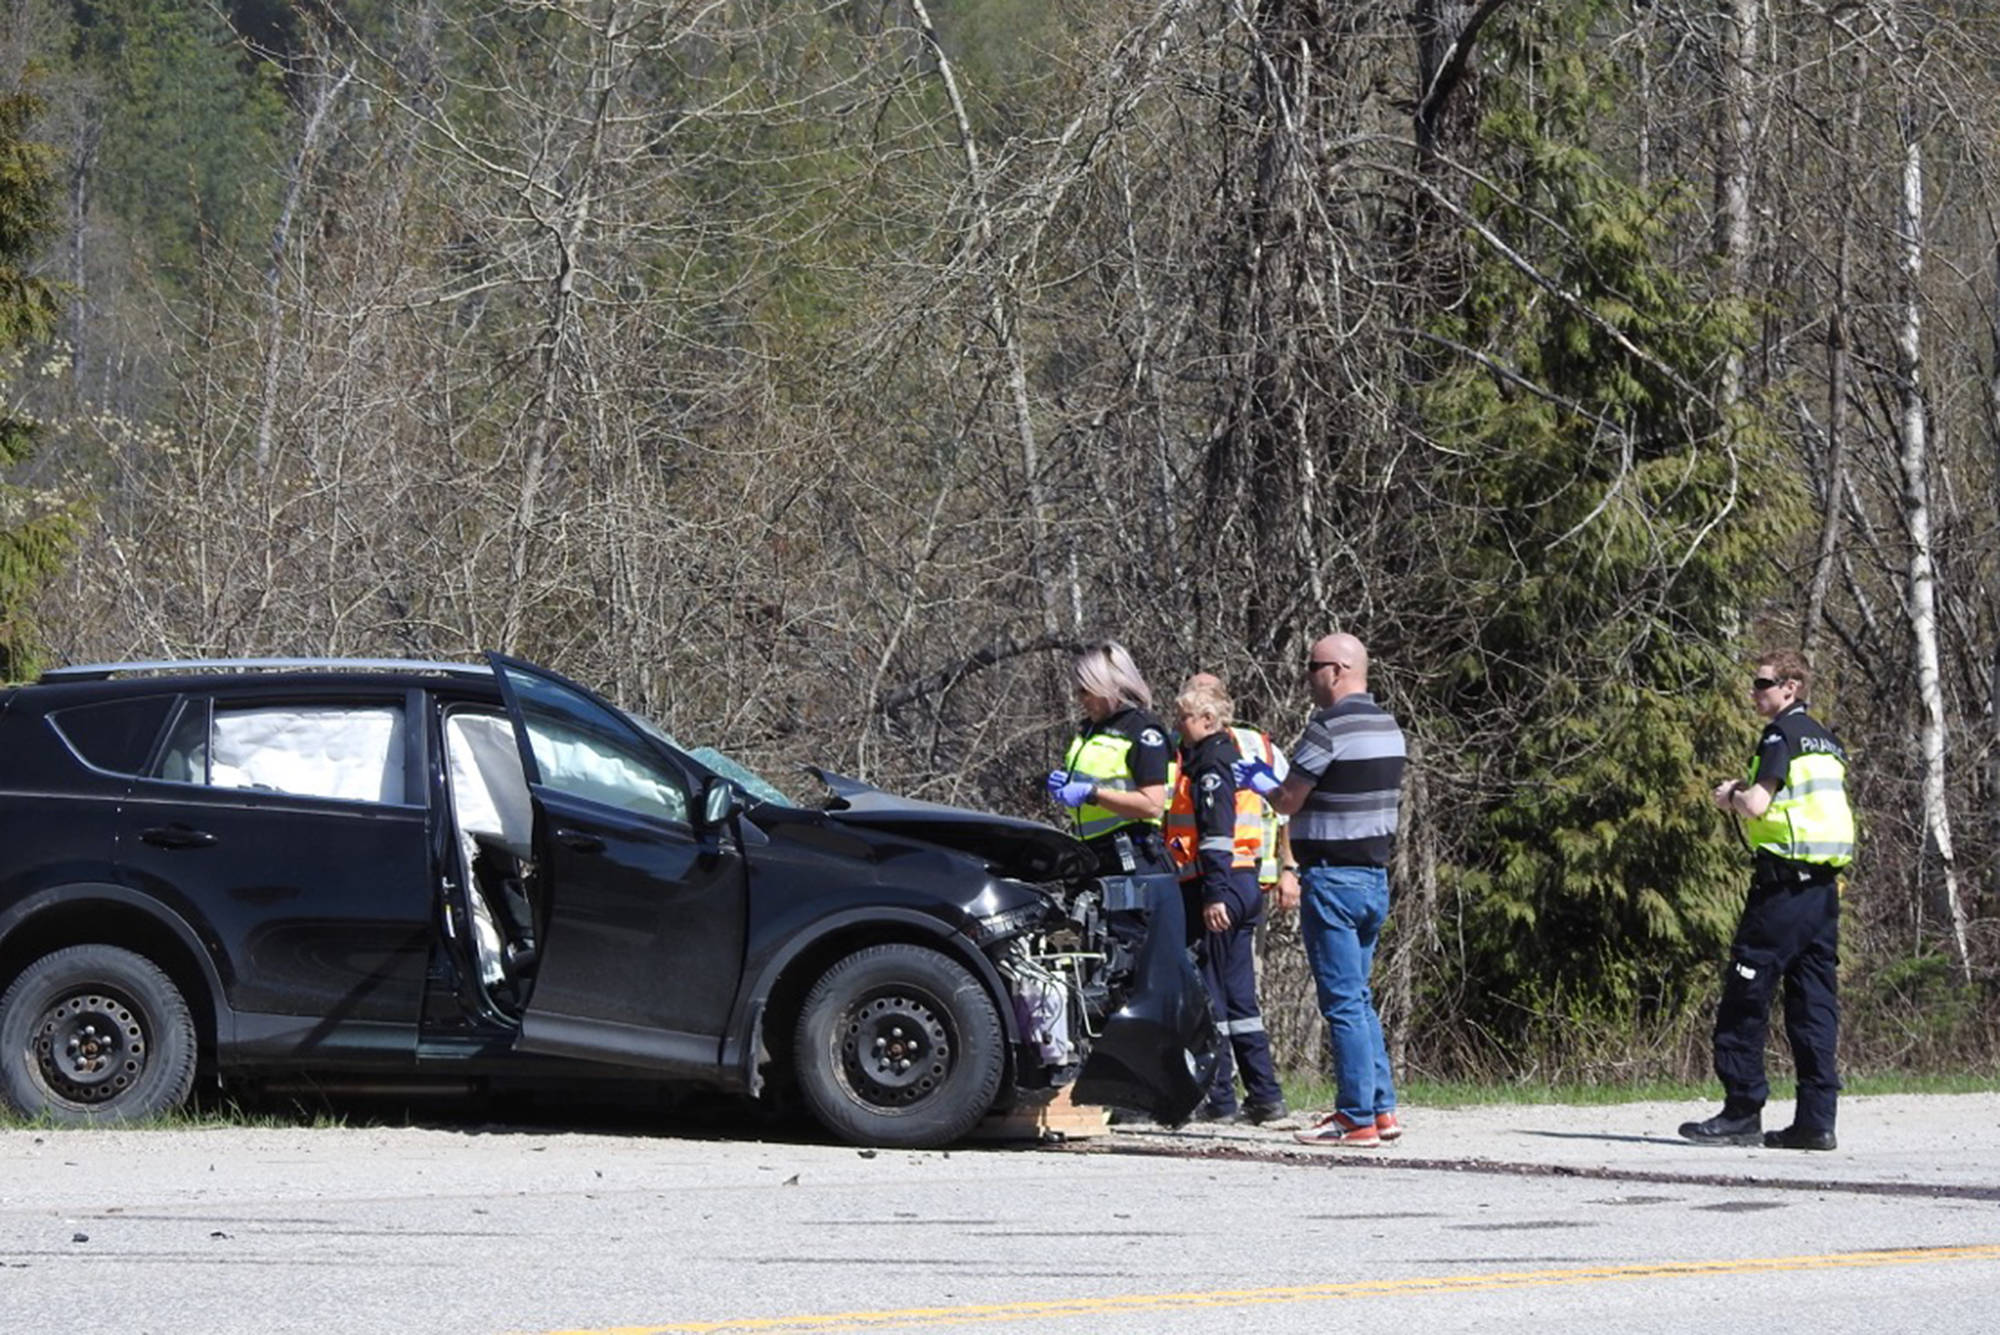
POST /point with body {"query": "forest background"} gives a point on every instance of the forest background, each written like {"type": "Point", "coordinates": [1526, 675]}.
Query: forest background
{"type": "Point", "coordinates": [812, 377]}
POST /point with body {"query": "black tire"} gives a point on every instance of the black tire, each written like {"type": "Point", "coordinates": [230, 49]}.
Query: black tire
{"type": "Point", "coordinates": [899, 1046]}
{"type": "Point", "coordinates": [95, 1034]}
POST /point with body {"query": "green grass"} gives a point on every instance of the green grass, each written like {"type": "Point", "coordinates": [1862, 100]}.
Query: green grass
{"type": "Point", "coordinates": [187, 1119]}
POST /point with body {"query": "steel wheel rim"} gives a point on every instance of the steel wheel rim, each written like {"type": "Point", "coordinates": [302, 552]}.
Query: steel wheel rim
{"type": "Point", "coordinates": [89, 1047]}
{"type": "Point", "coordinates": [896, 1048]}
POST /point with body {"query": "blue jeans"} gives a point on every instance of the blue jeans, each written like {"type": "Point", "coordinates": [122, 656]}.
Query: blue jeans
{"type": "Point", "coordinates": [1342, 910]}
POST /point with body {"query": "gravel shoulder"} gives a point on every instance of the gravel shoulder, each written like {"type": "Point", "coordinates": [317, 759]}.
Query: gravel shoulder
{"type": "Point", "coordinates": [1893, 1140]}
{"type": "Point", "coordinates": [1946, 1141]}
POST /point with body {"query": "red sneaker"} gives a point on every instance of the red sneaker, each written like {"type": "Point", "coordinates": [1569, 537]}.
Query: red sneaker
{"type": "Point", "coordinates": [1336, 1128]}
{"type": "Point", "coordinates": [1387, 1128]}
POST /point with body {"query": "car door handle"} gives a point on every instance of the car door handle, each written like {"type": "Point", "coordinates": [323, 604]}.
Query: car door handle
{"type": "Point", "coordinates": [581, 840]}
{"type": "Point", "coordinates": [177, 836]}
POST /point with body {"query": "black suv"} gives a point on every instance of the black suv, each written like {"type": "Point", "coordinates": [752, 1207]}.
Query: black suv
{"type": "Point", "coordinates": [367, 869]}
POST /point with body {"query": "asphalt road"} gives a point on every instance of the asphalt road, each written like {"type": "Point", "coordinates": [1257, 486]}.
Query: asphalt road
{"type": "Point", "coordinates": [1594, 1219]}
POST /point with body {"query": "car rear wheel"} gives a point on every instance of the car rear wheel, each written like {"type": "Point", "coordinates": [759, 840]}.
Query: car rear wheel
{"type": "Point", "coordinates": [95, 1033]}
{"type": "Point", "coordinates": [899, 1046]}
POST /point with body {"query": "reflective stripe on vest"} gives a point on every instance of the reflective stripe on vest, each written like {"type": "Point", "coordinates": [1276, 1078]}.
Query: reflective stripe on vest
{"type": "Point", "coordinates": [1252, 744]}
{"type": "Point", "coordinates": [1105, 758]}
{"type": "Point", "coordinates": [1809, 819]}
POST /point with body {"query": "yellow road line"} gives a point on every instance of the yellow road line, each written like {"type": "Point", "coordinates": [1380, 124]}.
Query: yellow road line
{"type": "Point", "coordinates": [913, 1317]}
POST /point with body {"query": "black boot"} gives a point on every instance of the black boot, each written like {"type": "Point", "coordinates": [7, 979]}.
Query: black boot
{"type": "Point", "coordinates": [1259, 1113]}
{"type": "Point", "coordinates": [1727, 1128]}
{"type": "Point", "coordinates": [1796, 1137]}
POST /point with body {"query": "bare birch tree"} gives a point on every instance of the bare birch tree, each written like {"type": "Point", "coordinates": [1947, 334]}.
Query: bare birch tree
{"type": "Point", "coordinates": [1736, 109]}
{"type": "Point", "coordinates": [1915, 460]}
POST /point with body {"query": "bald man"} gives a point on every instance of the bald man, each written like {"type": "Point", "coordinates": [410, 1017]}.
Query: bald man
{"type": "Point", "coordinates": [1342, 794]}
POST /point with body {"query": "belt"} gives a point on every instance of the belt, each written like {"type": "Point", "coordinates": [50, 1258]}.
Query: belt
{"type": "Point", "coordinates": [1772, 870]}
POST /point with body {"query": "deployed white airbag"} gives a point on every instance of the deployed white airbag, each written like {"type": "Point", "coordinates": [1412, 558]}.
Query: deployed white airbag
{"type": "Point", "coordinates": [604, 770]}
{"type": "Point", "coordinates": [489, 795]}
{"type": "Point", "coordinates": [339, 751]}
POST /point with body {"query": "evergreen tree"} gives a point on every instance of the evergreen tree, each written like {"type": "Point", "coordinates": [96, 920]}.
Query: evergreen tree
{"type": "Point", "coordinates": [34, 533]}
{"type": "Point", "coordinates": [191, 129]}
{"type": "Point", "coordinates": [1617, 526]}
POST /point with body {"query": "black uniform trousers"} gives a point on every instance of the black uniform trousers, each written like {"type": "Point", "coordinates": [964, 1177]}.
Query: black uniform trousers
{"type": "Point", "coordinates": [1790, 930]}
{"type": "Point", "coordinates": [1228, 965]}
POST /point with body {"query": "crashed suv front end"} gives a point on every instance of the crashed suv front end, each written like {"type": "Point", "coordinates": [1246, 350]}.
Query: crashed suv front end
{"type": "Point", "coordinates": [1102, 990]}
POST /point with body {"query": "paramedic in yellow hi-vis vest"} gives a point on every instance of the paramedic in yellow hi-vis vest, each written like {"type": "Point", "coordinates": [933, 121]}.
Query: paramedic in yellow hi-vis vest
{"type": "Point", "coordinates": [1800, 829]}
{"type": "Point", "coordinates": [1215, 837]}
{"type": "Point", "coordinates": [1114, 774]}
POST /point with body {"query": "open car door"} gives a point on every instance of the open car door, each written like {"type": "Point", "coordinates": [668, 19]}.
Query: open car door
{"type": "Point", "coordinates": [644, 906]}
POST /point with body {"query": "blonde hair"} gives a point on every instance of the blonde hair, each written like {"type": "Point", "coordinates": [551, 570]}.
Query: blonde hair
{"type": "Point", "coordinates": [1104, 669]}
{"type": "Point", "coordinates": [1206, 700]}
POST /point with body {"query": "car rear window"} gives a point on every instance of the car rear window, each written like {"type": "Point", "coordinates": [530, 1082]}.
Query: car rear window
{"type": "Point", "coordinates": [114, 735]}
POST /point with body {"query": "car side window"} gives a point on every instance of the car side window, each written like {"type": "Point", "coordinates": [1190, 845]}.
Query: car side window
{"type": "Point", "coordinates": [114, 735]}
{"type": "Point", "coordinates": [350, 752]}
{"type": "Point", "coordinates": [587, 751]}
{"type": "Point", "coordinates": [185, 756]}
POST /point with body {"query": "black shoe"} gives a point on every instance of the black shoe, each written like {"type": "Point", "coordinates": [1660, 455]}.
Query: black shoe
{"type": "Point", "coordinates": [1722, 1129]}
{"type": "Point", "coordinates": [1207, 1113]}
{"type": "Point", "coordinates": [1799, 1138]}
{"type": "Point", "coordinates": [1259, 1113]}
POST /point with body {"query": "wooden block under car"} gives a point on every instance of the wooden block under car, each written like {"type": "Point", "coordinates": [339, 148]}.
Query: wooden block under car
{"type": "Point", "coordinates": [1050, 1116]}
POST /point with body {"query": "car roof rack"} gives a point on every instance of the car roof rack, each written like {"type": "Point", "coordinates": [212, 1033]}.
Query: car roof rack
{"type": "Point", "coordinates": [104, 671]}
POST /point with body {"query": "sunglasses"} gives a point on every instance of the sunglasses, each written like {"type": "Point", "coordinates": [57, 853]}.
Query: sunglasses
{"type": "Point", "coordinates": [1766, 683]}
{"type": "Point", "coordinates": [1314, 665]}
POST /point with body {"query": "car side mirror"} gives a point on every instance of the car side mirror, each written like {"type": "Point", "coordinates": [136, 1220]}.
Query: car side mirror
{"type": "Point", "coordinates": [718, 799]}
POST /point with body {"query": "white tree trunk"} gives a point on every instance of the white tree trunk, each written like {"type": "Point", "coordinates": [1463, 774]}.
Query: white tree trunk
{"type": "Point", "coordinates": [326, 91]}
{"type": "Point", "coordinates": [1736, 57]}
{"type": "Point", "coordinates": [1006, 333]}
{"type": "Point", "coordinates": [568, 221]}
{"type": "Point", "coordinates": [1838, 325]}
{"type": "Point", "coordinates": [1916, 507]}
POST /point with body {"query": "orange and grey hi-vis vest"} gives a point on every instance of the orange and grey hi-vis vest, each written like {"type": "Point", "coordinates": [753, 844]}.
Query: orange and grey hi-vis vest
{"type": "Point", "coordinates": [1256, 840]}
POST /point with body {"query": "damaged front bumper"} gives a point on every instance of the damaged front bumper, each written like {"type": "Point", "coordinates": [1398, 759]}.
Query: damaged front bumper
{"type": "Point", "coordinates": [1115, 987]}
{"type": "Point", "coordinates": [1103, 989]}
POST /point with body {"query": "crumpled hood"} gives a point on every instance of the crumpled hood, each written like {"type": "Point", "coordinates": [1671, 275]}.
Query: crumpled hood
{"type": "Point", "coordinates": [1022, 849]}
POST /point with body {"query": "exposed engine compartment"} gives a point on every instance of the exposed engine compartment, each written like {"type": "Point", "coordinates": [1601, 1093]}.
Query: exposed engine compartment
{"type": "Point", "coordinates": [1103, 990]}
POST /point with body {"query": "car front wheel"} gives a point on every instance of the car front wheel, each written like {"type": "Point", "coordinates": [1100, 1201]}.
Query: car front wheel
{"type": "Point", "coordinates": [899, 1046]}
{"type": "Point", "coordinates": [95, 1033]}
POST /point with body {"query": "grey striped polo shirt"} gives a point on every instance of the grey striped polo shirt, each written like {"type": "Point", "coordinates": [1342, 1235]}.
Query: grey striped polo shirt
{"type": "Point", "coordinates": [1353, 751]}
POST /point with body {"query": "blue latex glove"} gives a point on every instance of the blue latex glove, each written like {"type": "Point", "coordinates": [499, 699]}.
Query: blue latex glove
{"type": "Point", "coordinates": [1070, 792]}
{"type": "Point", "coordinates": [1255, 774]}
